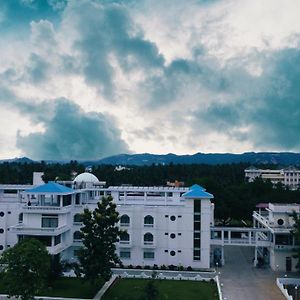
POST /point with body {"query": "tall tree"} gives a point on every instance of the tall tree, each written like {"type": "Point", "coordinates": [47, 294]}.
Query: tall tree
{"type": "Point", "coordinates": [26, 268]}
{"type": "Point", "coordinates": [99, 235]}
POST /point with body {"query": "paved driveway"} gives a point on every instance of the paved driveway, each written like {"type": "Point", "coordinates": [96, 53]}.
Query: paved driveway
{"type": "Point", "coordinates": [241, 281]}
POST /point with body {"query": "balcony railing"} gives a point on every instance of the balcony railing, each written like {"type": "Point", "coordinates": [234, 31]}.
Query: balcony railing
{"type": "Point", "coordinates": [40, 208]}
{"type": "Point", "coordinates": [23, 229]}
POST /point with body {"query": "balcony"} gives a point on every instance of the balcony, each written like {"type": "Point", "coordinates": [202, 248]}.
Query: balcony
{"type": "Point", "coordinates": [46, 209]}
{"type": "Point", "coordinates": [22, 229]}
{"type": "Point", "coordinates": [58, 248]}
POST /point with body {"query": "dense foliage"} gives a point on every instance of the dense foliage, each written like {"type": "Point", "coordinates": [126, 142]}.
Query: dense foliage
{"type": "Point", "coordinates": [99, 235]}
{"type": "Point", "coordinates": [234, 198]}
{"type": "Point", "coordinates": [26, 268]}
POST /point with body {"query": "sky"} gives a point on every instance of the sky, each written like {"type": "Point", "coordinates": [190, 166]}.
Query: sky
{"type": "Point", "coordinates": [86, 79]}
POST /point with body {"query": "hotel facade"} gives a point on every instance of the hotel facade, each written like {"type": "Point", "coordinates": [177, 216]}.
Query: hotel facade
{"type": "Point", "coordinates": [164, 225]}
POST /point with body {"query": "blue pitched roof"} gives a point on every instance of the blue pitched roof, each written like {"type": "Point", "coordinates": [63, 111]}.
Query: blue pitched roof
{"type": "Point", "coordinates": [197, 186]}
{"type": "Point", "coordinates": [51, 188]}
{"type": "Point", "coordinates": [197, 192]}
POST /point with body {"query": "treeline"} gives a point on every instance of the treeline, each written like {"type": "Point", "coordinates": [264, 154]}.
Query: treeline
{"type": "Point", "coordinates": [234, 198]}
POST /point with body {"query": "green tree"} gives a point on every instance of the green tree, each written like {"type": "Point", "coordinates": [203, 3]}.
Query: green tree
{"type": "Point", "coordinates": [26, 268]}
{"type": "Point", "coordinates": [99, 235]}
{"type": "Point", "coordinates": [296, 234]}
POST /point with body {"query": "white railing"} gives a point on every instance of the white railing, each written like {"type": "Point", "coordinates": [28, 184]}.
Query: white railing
{"type": "Point", "coordinates": [22, 227]}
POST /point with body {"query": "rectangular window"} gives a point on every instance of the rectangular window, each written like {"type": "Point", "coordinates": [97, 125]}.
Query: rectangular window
{"type": "Point", "coordinates": [197, 230]}
{"type": "Point", "coordinates": [148, 255]}
{"type": "Point", "coordinates": [57, 240]}
{"type": "Point", "coordinates": [49, 221]}
{"type": "Point", "coordinates": [125, 254]}
{"type": "Point", "coordinates": [77, 199]}
{"type": "Point", "coordinates": [196, 254]}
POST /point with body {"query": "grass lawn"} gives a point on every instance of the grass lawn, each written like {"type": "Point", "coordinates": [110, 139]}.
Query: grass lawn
{"type": "Point", "coordinates": [66, 287]}
{"type": "Point", "coordinates": [133, 289]}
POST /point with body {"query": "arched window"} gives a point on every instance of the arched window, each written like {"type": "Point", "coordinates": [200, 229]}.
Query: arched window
{"type": "Point", "coordinates": [125, 220]}
{"type": "Point", "coordinates": [77, 218]}
{"type": "Point", "coordinates": [148, 238]}
{"type": "Point", "coordinates": [77, 235]}
{"type": "Point", "coordinates": [148, 221]}
{"type": "Point", "coordinates": [124, 238]}
{"type": "Point", "coordinates": [21, 218]}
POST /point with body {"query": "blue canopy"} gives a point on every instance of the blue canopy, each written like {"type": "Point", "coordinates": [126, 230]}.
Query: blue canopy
{"type": "Point", "coordinates": [197, 186]}
{"type": "Point", "coordinates": [197, 193]}
{"type": "Point", "coordinates": [50, 188]}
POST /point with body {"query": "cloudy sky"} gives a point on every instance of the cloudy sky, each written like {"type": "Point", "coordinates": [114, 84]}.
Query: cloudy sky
{"type": "Point", "coordinates": [84, 79]}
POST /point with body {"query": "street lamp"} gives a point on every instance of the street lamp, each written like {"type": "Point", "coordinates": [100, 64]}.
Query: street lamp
{"type": "Point", "coordinates": [296, 292]}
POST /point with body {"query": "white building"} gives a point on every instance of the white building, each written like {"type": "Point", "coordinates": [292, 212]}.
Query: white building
{"type": "Point", "coordinates": [278, 220]}
{"type": "Point", "coordinates": [289, 176]}
{"type": "Point", "coordinates": [165, 225]}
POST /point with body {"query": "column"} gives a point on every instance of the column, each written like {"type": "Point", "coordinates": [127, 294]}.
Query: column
{"type": "Point", "coordinates": [255, 257]}
{"type": "Point", "coordinates": [222, 256]}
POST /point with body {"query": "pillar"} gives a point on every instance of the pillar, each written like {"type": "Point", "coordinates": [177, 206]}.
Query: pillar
{"type": "Point", "coordinates": [222, 256]}
{"type": "Point", "coordinates": [255, 257]}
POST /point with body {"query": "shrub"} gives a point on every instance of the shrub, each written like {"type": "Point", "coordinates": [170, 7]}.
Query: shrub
{"type": "Point", "coordinates": [155, 267]}
{"type": "Point", "coordinates": [180, 268]}
{"type": "Point", "coordinates": [189, 268]}
{"type": "Point", "coordinates": [163, 267]}
{"type": "Point", "coordinates": [172, 267]}
{"type": "Point", "coordinates": [138, 267]}
{"type": "Point", "coordinates": [146, 267]}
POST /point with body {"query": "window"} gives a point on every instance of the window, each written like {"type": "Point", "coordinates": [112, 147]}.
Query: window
{"type": "Point", "coordinates": [166, 233]}
{"type": "Point", "coordinates": [1, 230]}
{"type": "Point", "coordinates": [280, 222]}
{"type": "Point", "coordinates": [77, 235]}
{"type": "Point", "coordinates": [125, 221]}
{"type": "Point", "coordinates": [173, 218]}
{"type": "Point", "coordinates": [124, 238]}
{"type": "Point", "coordinates": [1, 214]}
{"type": "Point", "coordinates": [125, 254]}
{"type": "Point", "coordinates": [172, 253]}
{"type": "Point", "coordinates": [148, 221]}
{"type": "Point", "coordinates": [166, 216]}
{"type": "Point", "coordinates": [169, 194]}
{"type": "Point", "coordinates": [21, 218]}
{"type": "Point", "coordinates": [77, 199]}
{"type": "Point", "coordinates": [57, 240]}
{"type": "Point", "coordinates": [148, 255]}
{"type": "Point", "coordinates": [49, 221]}
{"type": "Point", "coordinates": [172, 235]}
{"type": "Point", "coordinates": [77, 218]}
{"type": "Point", "coordinates": [148, 238]}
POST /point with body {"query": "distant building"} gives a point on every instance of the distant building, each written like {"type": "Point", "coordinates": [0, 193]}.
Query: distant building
{"type": "Point", "coordinates": [289, 176]}
{"type": "Point", "coordinates": [121, 168]}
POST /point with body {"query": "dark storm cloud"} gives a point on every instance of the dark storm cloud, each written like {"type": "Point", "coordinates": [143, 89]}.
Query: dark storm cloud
{"type": "Point", "coordinates": [69, 132]}
{"type": "Point", "coordinates": [268, 104]}
{"type": "Point", "coordinates": [107, 33]}
{"type": "Point", "coordinates": [72, 133]}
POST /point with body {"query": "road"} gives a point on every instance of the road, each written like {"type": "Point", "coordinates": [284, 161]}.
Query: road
{"type": "Point", "coordinates": [241, 281]}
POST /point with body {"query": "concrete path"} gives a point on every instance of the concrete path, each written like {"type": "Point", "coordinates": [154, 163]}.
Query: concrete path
{"type": "Point", "coordinates": [241, 281]}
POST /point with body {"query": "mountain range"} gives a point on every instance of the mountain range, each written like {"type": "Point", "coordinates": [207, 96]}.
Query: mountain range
{"type": "Point", "coordinates": [279, 158]}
